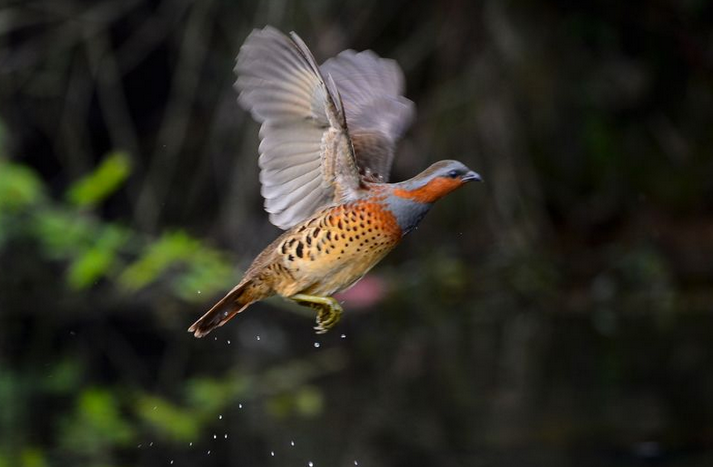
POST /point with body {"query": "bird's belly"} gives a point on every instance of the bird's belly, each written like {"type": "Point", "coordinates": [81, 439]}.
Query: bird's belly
{"type": "Point", "coordinates": [338, 274]}
{"type": "Point", "coordinates": [331, 252]}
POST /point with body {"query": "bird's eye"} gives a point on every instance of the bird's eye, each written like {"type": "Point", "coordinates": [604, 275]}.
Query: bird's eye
{"type": "Point", "coordinates": [453, 174]}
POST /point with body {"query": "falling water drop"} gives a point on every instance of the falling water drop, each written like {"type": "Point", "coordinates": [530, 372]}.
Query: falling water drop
{"type": "Point", "coordinates": [257, 337]}
{"type": "Point", "coordinates": [343, 336]}
{"type": "Point", "coordinates": [292, 443]}
{"type": "Point", "coordinates": [220, 417]}
{"type": "Point", "coordinates": [272, 453]}
{"type": "Point", "coordinates": [316, 345]}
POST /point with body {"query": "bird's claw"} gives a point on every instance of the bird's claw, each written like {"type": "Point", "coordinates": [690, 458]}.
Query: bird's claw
{"type": "Point", "coordinates": [329, 311]}
{"type": "Point", "coordinates": [327, 317]}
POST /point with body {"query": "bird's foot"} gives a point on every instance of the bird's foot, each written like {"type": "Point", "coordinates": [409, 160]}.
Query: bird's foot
{"type": "Point", "coordinates": [329, 311]}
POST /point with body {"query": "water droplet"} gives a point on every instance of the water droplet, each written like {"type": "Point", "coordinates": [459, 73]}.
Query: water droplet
{"type": "Point", "coordinates": [155, 407]}
{"type": "Point", "coordinates": [272, 453]}
{"type": "Point", "coordinates": [171, 462]}
{"type": "Point", "coordinates": [220, 417]}
{"type": "Point", "coordinates": [151, 444]}
{"type": "Point", "coordinates": [138, 446]}
{"type": "Point", "coordinates": [199, 292]}
{"type": "Point", "coordinates": [240, 406]}
{"type": "Point", "coordinates": [228, 341]}
{"type": "Point", "coordinates": [190, 444]}
{"type": "Point", "coordinates": [215, 436]}
{"type": "Point", "coordinates": [208, 453]}
{"type": "Point", "coordinates": [215, 338]}
{"type": "Point", "coordinates": [310, 464]}
{"type": "Point", "coordinates": [226, 436]}
{"type": "Point", "coordinates": [292, 443]}
{"type": "Point", "coordinates": [316, 345]}
{"type": "Point", "coordinates": [356, 463]}
{"type": "Point", "coordinates": [257, 337]}
{"type": "Point", "coordinates": [343, 336]}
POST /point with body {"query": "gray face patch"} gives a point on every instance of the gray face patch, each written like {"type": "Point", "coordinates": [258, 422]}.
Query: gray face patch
{"type": "Point", "coordinates": [408, 213]}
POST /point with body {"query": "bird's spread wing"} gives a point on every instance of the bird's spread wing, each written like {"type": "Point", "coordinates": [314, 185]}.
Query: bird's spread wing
{"type": "Point", "coordinates": [377, 113]}
{"type": "Point", "coordinates": [306, 156]}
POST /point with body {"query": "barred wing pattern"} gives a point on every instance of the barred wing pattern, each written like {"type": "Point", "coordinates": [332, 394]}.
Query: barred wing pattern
{"type": "Point", "coordinates": [306, 156]}
{"type": "Point", "coordinates": [378, 115]}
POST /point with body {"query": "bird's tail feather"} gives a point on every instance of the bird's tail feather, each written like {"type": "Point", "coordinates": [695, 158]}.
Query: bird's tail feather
{"type": "Point", "coordinates": [233, 303]}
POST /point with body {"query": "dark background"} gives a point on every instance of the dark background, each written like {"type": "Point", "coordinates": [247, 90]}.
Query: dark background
{"type": "Point", "coordinates": [559, 314]}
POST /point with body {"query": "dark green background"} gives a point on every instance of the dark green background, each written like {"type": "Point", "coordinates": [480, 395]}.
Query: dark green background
{"type": "Point", "coordinates": [559, 314]}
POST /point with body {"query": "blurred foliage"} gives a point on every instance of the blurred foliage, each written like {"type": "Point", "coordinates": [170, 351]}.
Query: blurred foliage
{"type": "Point", "coordinates": [96, 249]}
{"type": "Point", "coordinates": [109, 175]}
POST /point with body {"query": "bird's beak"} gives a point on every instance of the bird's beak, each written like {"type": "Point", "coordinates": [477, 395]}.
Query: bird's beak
{"type": "Point", "coordinates": [472, 177]}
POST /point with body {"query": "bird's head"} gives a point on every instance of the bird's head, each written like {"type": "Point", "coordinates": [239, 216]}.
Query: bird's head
{"type": "Point", "coordinates": [436, 181]}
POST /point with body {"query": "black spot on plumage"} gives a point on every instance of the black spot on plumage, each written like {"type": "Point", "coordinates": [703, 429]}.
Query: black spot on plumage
{"type": "Point", "coordinates": [329, 235]}
{"type": "Point", "coordinates": [339, 224]}
{"type": "Point", "coordinates": [284, 248]}
{"type": "Point", "coordinates": [309, 240]}
{"type": "Point", "coordinates": [290, 258]}
{"type": "Point", "coordinates": [316, 232]}
{"type": "Point", "coordinates": [299, 250]}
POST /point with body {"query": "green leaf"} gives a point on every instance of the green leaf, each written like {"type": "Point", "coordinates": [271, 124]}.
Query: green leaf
{"type": "Point", "coordinates": [309, 401]}
{"type": "Point", "coordinates": [97, 424]}
{"type": "Point", "coordinates": [63, 234]}
{"type": "Point", "coordinates": [207, 273]}
{"type": "Point", "coordinates": [170, 249]}
{"type": "Point", "coordinates": [96, 261]}
{"type": "Point", "coordinates": [170, 420]}
{"type": "Point", "coordinates": [33, 457]}
{"type": "Point", "coordinates": [94, 188]}
{"type": "Point", "coordinates": [20, 187]}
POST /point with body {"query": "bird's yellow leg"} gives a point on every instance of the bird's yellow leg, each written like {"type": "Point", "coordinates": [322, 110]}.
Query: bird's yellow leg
{"type": "Point", "coordinates": [329, 311]}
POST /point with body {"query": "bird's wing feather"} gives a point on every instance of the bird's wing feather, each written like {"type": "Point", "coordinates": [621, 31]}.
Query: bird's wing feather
{"type": "Point", "coordinates": [306, 155]}
{"type": "Point", "coordinates": [377, 113]}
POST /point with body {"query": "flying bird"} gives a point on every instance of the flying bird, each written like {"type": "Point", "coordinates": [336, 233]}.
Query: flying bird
{"type": "Point", "coordinates": [327, 140]}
